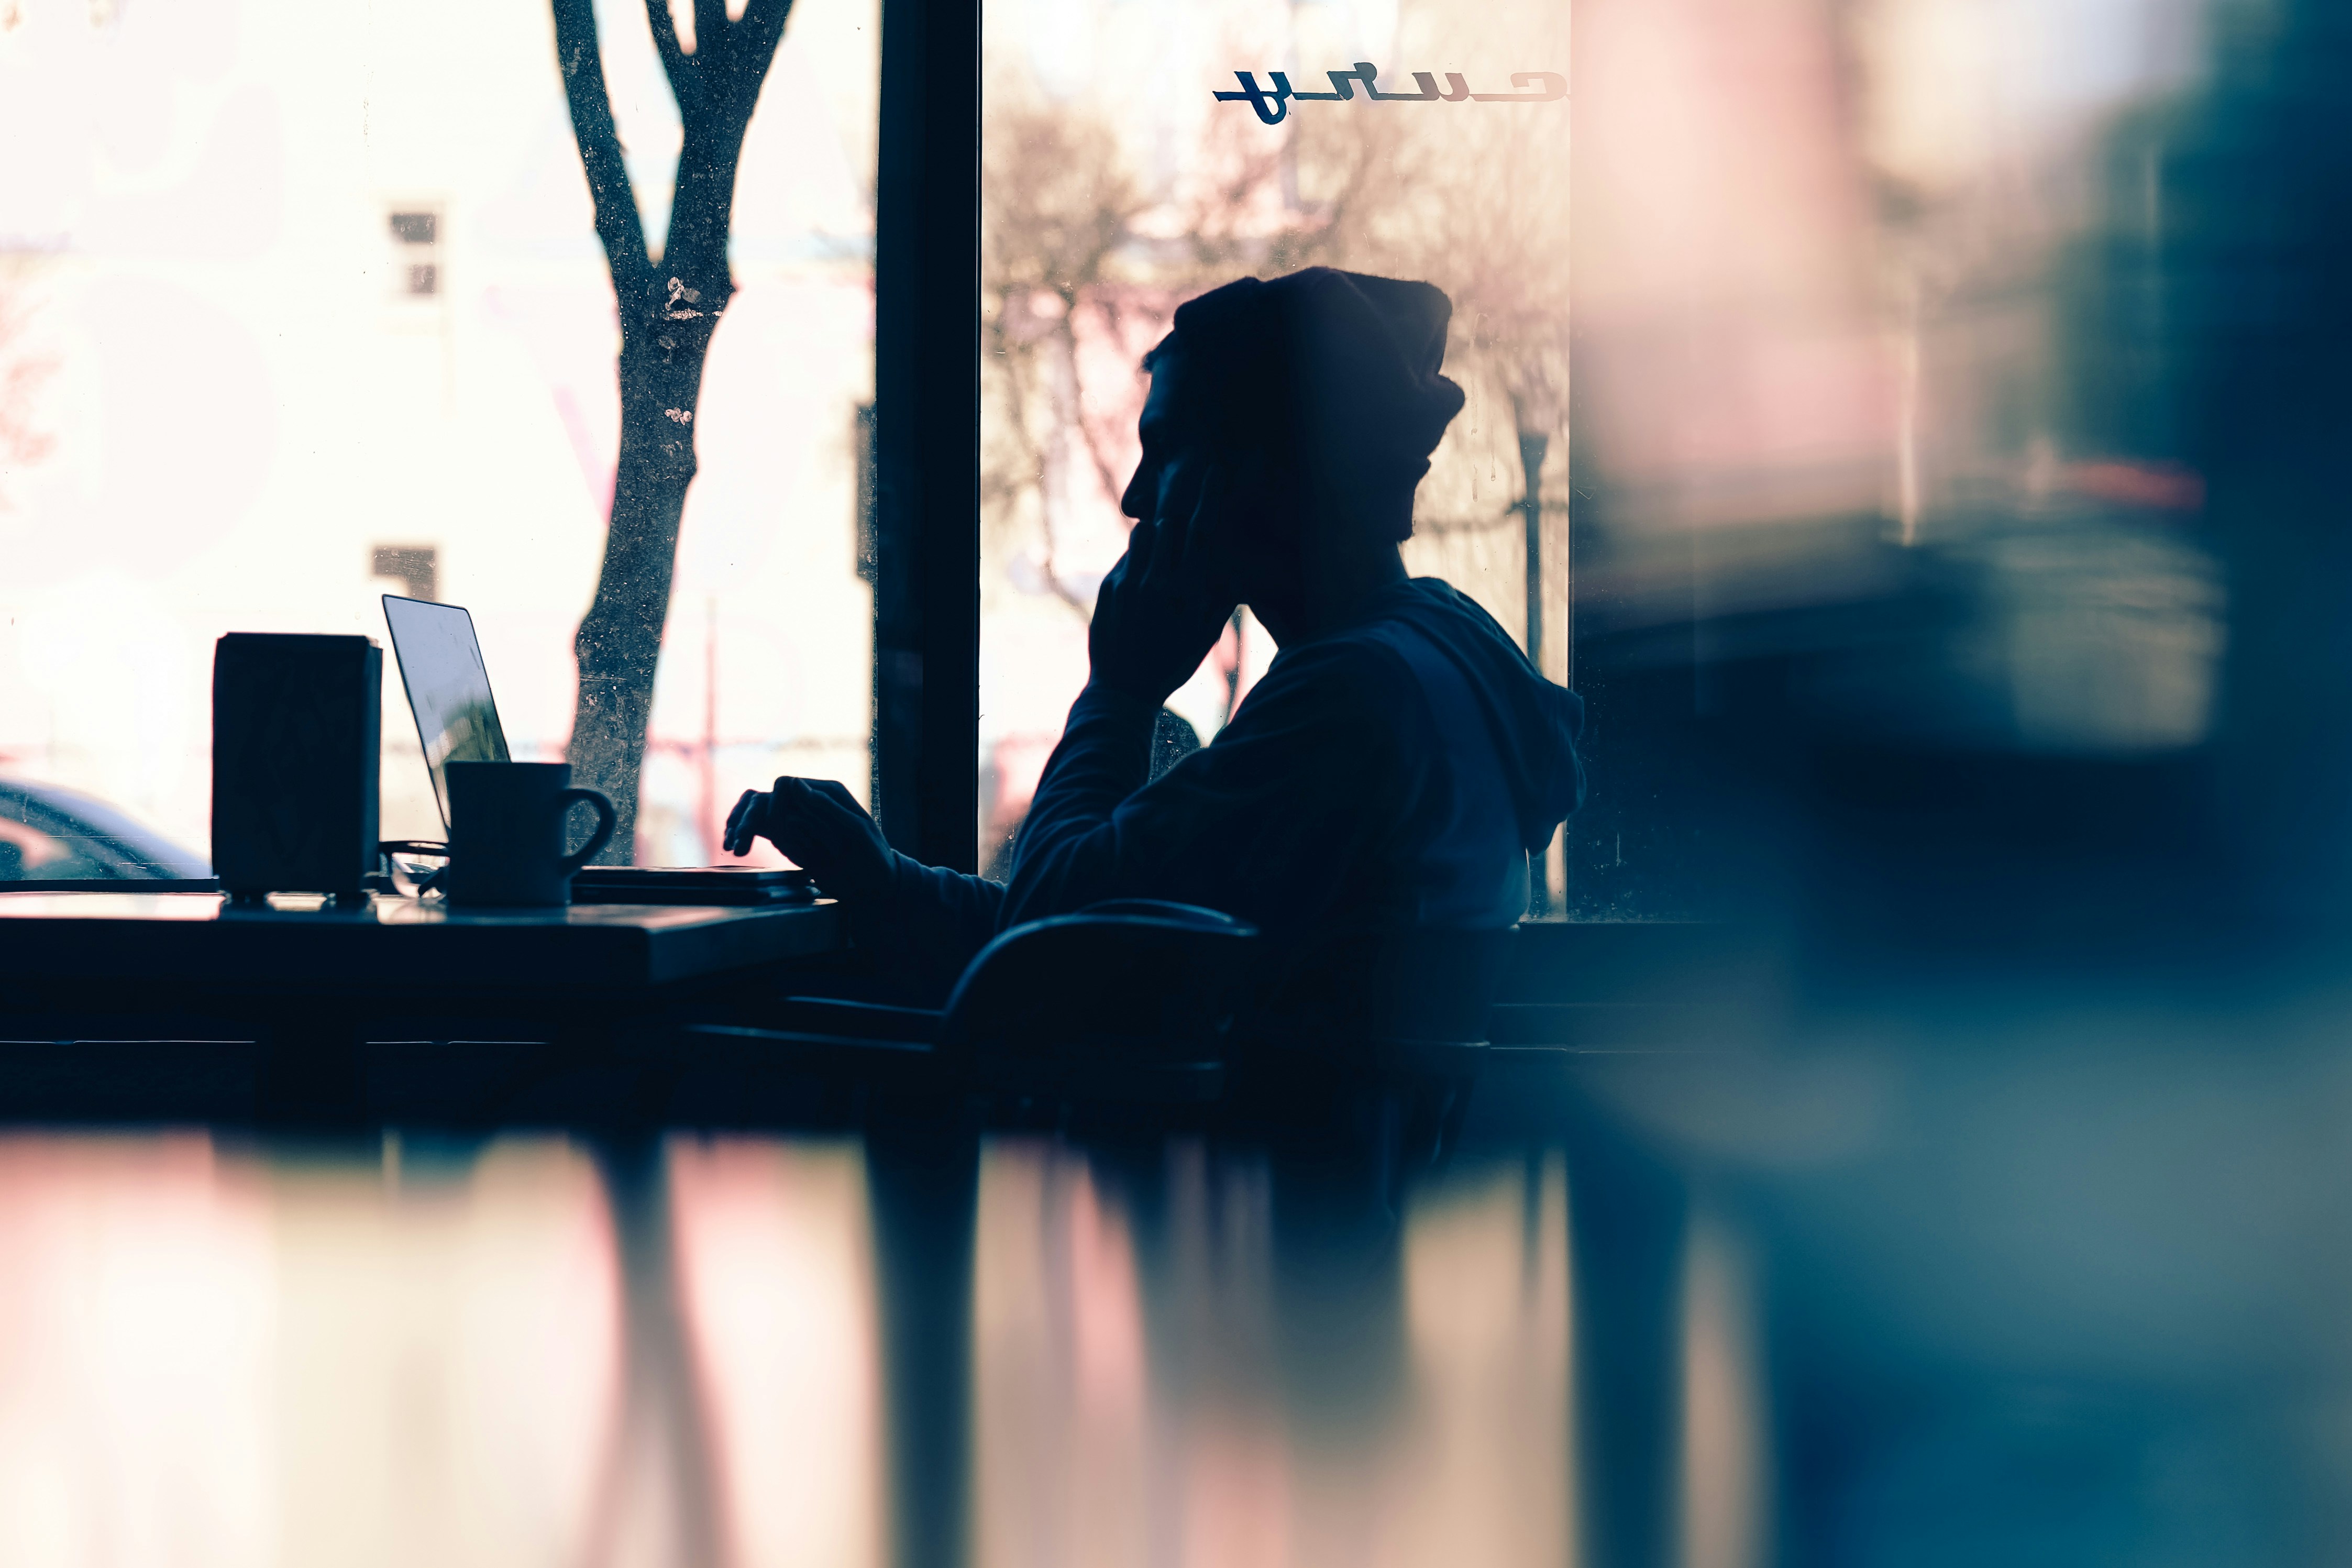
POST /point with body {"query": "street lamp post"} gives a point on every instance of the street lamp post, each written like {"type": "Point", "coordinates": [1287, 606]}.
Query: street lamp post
{"type": "Point", "coordinates": [1533, 444]}
{"type": "Point", "coordinates": [1534, 417]}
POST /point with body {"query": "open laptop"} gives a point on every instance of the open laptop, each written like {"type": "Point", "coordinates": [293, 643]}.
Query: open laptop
{"type": "Point", "coordinates": [448, 688]}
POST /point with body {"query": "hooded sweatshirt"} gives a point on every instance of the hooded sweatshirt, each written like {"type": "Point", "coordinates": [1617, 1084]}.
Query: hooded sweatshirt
{"type": "Point", "coordinates": [1393, 775]}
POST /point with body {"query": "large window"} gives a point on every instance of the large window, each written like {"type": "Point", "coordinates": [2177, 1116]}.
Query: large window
{"type": "Point", "coordinates": [1115, 184]}
{"type": "Point", "coordinates": [1873, 428]}
{"type": "Point", "coordinates": [1879, 349]}
{"type": "Point", "coordinates": [302, 303]}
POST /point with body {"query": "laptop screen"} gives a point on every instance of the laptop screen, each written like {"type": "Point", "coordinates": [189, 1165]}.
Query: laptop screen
{"type": "Point", "coordinates": [448, 687]}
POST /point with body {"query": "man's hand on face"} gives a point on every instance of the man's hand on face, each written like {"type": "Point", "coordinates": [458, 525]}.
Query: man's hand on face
{"type": "Point", "coordinates": [1166, 603]}
{"type": "Point", "coordinates": [820, 826]}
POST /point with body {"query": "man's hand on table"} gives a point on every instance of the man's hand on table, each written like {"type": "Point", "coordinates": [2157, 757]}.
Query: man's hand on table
{"type": "Point", "coordinates": [819, 827]}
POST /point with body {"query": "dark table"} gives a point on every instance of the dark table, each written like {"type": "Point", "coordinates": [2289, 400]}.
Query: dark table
{"type": "Point", "coordinates": [308, 983]}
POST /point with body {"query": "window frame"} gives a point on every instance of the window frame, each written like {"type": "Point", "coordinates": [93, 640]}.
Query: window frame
{"type": "Point", "coordinates": [925, 784]}
{"type": "Point", "coordinates": [926, 436]}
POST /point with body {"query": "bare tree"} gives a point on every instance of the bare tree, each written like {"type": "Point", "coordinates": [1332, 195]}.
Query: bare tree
{"type": "Point", "coordinates": [1486, 221]}
{"type": "Point", "coordinates": [1060, 245]}
{"type": "Point", "coordinates": [1057, 204]}
{"type": "Point", "coordinates": [669, 306]}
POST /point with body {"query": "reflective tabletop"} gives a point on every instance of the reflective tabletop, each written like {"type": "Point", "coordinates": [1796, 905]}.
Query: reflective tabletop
{"type": "Point", "coordinates": [529, 1351]}
{"type": "Point", "coordinates": [1998, 1284]}
{"type": "Point", "coordinates": [305, 942]}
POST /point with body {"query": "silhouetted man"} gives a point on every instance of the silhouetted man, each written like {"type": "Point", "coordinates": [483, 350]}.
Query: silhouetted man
{"type": "Point", "coordinates": [1400, 760]}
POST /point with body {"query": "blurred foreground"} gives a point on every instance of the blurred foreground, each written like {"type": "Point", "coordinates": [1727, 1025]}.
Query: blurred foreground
{"type": "Point", "coordinates": [2020, 1277]}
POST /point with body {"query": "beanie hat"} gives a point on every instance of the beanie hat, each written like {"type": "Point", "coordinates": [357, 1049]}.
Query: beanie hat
{"type": "Point", "coordinates": [1335, 371]}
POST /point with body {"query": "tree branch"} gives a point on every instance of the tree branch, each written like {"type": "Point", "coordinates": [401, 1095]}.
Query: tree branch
{"type": "Point", "coordinates": [703, 208]}
{"type": "Point", "coordinates": [1066, 329]}
{"type": "Point", "coordinates": [750, 47]}
{"type": "Point", "coordinates": [712, 41]}
{"type": "Point", "coordinates": [617, 226]}
{"type": "Point", "coordinates": [683, 70]}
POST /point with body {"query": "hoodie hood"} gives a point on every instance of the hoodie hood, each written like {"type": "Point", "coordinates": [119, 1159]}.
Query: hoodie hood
{"type": "Point", "coordinates": [1534, 723]}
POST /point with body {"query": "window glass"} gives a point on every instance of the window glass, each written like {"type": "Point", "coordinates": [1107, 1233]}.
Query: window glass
{"type": "Point", "coordinates": [1891, 323]}
{"type": "Point", "coordinates": [304, 304]}
{"type": "Point", "coordinates": [1115, 186]}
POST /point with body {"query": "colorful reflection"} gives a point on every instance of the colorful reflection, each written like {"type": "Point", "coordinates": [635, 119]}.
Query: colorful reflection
{"type": "Point", "coordinates": [537, 1351]}
{"type": "Point", "coordinates": [1205, 1359]}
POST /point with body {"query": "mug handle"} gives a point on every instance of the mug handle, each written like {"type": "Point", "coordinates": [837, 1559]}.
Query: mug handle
{"type": "Point", "coordinates": [607, 820]}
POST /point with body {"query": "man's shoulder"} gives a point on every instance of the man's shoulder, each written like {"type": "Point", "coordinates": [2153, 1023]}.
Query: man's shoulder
{"type": "Point", "coordinates": [1357, 664]}
{"type": "Point", "coordinates": [1379, 648]}
{"type": "Point", "coordinates": [1355, 683]}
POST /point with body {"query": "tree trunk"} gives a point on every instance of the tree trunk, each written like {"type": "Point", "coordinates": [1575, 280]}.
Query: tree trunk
{"type": "Point", "coordinates": [619, 642]}
{"type": "Point", "coordinates": [668, 309]}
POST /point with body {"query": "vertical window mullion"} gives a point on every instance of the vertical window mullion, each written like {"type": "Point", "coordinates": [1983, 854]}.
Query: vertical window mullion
{"type": "Point", "coordinates": [927, 432]}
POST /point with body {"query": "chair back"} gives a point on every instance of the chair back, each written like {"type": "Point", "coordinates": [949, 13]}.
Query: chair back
{"type": "Point", "coordinates": [1129, 983]}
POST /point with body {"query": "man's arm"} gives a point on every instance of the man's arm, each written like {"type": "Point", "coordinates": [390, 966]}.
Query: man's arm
{"type": "Point", "coordinates": [1103, 757]}
{"type": "Point", "coordinates": [1265, 821]}
{"type": "Point", "coordinates": [932, 915]}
